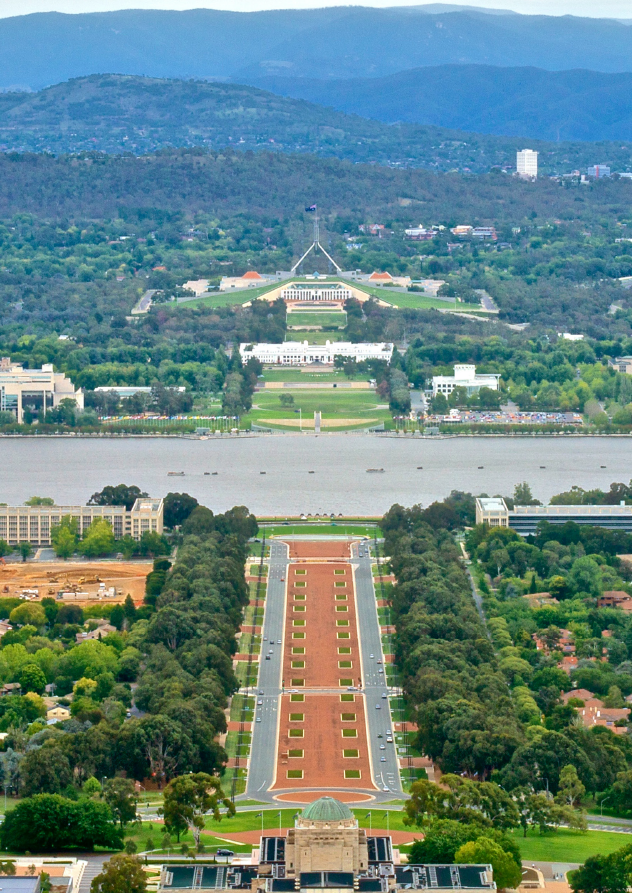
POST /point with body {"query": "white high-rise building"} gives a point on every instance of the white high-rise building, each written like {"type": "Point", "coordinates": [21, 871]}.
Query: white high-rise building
{"type": "Point", "coordinates": [527, 163]}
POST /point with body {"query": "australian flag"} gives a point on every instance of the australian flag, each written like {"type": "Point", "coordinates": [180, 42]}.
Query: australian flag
{"type": "Point", "coordinates": [311, 208]}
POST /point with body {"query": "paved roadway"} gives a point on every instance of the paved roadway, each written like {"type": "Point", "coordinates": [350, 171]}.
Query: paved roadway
{"type": "Point", "coordinates": [264, 735]}
{"type": "Point", "coordinates": [379, 720]}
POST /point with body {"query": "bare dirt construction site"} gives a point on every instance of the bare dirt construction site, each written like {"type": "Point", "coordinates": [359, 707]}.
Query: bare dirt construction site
{"type": "Point", "coordinates": [322, 725]}
{"type": "Point", "coordinates": [81, 582]}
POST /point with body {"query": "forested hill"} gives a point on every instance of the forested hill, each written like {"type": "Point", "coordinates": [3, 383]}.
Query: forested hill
{"type": "Point", "coordinates": [121, 114]}
{"type": "Point", "coordinates": [269, 185]}
{"type": "Point", "coordinates": [524, 102]}
{"type": "Point", "coordinates": [117, 113]}
{"type": "Point", "coordinates": [45, 48]}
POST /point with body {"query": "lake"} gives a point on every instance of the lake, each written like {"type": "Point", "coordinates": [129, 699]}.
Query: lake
{"type": "Point", "coordinates": [70, 470]}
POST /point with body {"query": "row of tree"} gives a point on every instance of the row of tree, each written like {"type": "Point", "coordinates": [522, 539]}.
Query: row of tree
{"type": "Point", "coordinates": [488, 700]}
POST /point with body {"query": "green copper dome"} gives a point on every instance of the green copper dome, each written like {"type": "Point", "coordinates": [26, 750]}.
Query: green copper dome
{"type": "Point", "coordinates": [327, 810]}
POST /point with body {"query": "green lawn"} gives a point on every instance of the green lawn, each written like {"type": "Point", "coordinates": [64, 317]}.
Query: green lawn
{"type": "Point", "coordinates": [227, 298]}
{"type": "Point", "coordinates": [360, 405]}
{"type": "Point", "coordinates": [333, 401]}
{"type": "Point", "coordinates": [295, 374]}
{"type": "Point", "coordinates": [220, 299]}
{"type": "Point", "coordinates": [236, 705]}
{"type": "Point", "coordinates": [564, 845]}
{"type": "Point", "coordinates": [314, 337]}
{"type": "Point", "coordinates": [412, 300]}
{"type": "Point", "coordinates": [317, 318]}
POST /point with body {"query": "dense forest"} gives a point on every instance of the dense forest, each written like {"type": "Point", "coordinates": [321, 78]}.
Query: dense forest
{"type": "Point", "coordinates": [507, 696]}
{"type": "Point", "coordinates": [111, 227]}
{"type": "Point", "coordinates": [97, 186]}
{"type": "Point", "coordinates": [121, 114]}
{"type": "Point", "coordinates": [175, 651]}
{"type": "Point", "coordinates": [83, 238]}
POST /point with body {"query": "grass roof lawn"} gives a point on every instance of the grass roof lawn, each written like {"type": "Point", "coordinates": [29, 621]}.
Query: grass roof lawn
{"type": "Point", "coordinates": [224, 298]}
{"type": "Point", "coordinates": [414, 300]}
{"type": "Point", "coordinates": [410, 300]}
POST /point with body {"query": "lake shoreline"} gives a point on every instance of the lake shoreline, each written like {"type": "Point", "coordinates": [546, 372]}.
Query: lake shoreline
{"type": "Point", "coordinates": [381, 435]}
{"type": "Point", "coordinates": [285, 475]}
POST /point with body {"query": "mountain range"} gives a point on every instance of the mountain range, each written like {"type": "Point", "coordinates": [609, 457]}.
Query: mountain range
{"type": "Point", "coordinates": [521, 102]}
{"type": "Point", "coordinates": [41, 49]}
{"type": "Point", "coordinates": [419, 118]}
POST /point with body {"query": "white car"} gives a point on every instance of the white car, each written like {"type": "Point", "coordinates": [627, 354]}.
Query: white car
{"type": "Point", "coordinates": [378, 706]}
{"type": "Point", "coordinates": [372, 656]}
{"type": "Point", "coordinates": [382, 746]}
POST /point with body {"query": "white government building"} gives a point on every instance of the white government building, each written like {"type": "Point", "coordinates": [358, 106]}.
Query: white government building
{"type": "Point", "coordinates": [33, 524]}
{"type": "Point", "coordinates": [464, 377]}
{"type": "Point", "coordinates": [301, 353]}
{"type": "Point", "coordinates": [40, 388]}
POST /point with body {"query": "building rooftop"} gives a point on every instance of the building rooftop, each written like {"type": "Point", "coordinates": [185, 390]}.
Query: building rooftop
{"type": "Point", "coordinates": [321, 880]}
{"type": "Point", "coordinates": [327, 809]}
{"type": "Point", "coordinates": [444, 877]}
{"type": "Point", "coordinates": [205, 877]}
{"type": "Point", "coordinates": [572, 510]}
{"type": "Point", "coordinates": [20, 884]}
{"type": "Point", "coordinates": [492, 504]}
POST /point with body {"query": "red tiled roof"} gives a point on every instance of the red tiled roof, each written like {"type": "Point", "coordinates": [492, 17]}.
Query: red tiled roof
{"type": "Point", "coordinates": [582, 693]}
{"type": "Point", "coordinates": [252, 274]}
{"type": "Point", "coordinates": [385, 276]}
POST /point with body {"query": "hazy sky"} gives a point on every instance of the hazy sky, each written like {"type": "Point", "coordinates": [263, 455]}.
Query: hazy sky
{"type": "Point", "coordinates": [603, 9]}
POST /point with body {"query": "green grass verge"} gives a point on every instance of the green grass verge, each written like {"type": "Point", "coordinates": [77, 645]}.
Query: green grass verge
{"type": "Point", "coordinates": [236, 706]}
{"type": "Point", "coordinates": [336, 528]}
